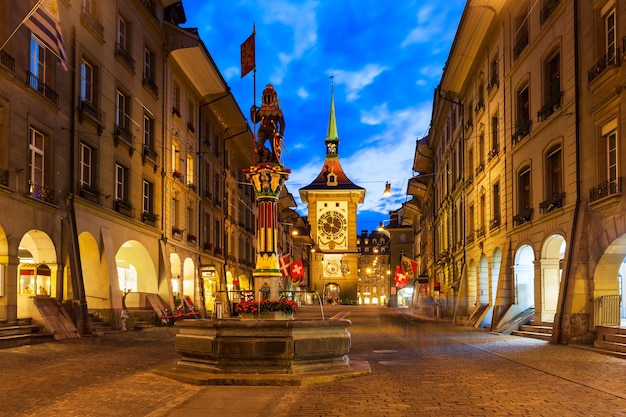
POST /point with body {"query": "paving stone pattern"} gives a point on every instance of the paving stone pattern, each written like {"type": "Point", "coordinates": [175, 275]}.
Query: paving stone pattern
{"type": "Point", "coordinates": [419, 368]}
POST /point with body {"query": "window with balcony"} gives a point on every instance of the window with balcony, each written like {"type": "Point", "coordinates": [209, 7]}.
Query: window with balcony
{"type": "Point", "coordinates": [522, 114]}
{"type": "Point", "coordinates": [554, 180]}
{"type": "Point", "coordinates": [611, 182]}
{"type": "Point", "coordinates": [121, 183]}
{"type": "Point", "coordinates": [175, 99]}
{"type": "Point", "coordinates": [495, 201]}
{"type": "Point", "coordinates": [609, 38]}
{"type": "Point", "coordinates": [88, 94]}
{"type": "Point", "coordinates": [122, 117]}
{"type": "Point", "coordinates": [524, 197]}
{"type": "Point", "coordinates": [90, 16]}
{"type": "Point", "coordinates": [190, 172]}
{"type": "Point", "coordinates": [494, 79]}
{"type": "Point", "coordinates": [87, 177]}
{"type": "Point", "coordinates": [38, 188]}
{"type": "Point", "coordinates": [495, 141]}
{"type": "Point", "coordinates": [41, 70]}
{"type": "Point", "coordinates": [147, 204]}
{"type": "Point", "coordinates": [552, 86]}
{"type": "Point", "coordinates": [149, 71]}
{"type": "Point", "coordinates": [191, 116]}
{"type": "Point", "coordinates": [123, 45]}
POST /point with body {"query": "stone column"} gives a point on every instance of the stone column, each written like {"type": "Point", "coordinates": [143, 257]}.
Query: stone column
{"type": "Point", "coordinates": [267, 180]}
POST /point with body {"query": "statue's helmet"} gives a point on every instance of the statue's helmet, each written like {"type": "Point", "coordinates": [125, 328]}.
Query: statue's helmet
{"type": "Point", "coordinates": [270, 98]}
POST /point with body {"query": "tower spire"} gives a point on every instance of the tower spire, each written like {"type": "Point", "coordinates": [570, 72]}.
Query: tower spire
{"type": "Point", "coordinates": [332, 121]}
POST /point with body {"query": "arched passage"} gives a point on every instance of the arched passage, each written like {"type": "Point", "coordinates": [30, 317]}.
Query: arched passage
{"type": "Point", "coordinates": [609, 277]}
{"type": "Point", "coordinates": [483, 280]}
{"type": "Point", "coordinates": [496, 262]}
{"type": "Point", "coordinates": [552, 255]}
{"type": "Point", "coordinates": [95, 274]}
{"type": "Point", "coordinates": [524, 278]}
{"type": "Point", "coordinates": [37, 271]}
{"type": "Point", "coordinates": [135, 272]}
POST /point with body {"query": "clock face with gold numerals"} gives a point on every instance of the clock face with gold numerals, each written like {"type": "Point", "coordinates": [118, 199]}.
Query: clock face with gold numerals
{"type": "Point", "coordinates": [332, 225]}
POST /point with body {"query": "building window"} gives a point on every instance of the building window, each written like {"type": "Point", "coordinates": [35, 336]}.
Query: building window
{"type": "Point", "coordinates": [176, 99]}
{"type": "Point", "coordinates": [40, 70]}
{"type": "Point", "coordinates": [191, 116]}
{"type": "Point", "coordinates": [86, 82]}
{"type": "Point", "coordinates": [494, 80]}
{"type": "Point", "coordinates": [123, 49]}
{"type": "Point", "coordinates": [609, 137]}
{"type": "Point", "coordinates": [190, 170]}
{"type": "Point", "coordinates": [86, 166]}
{"type": "Point", "coordinates": [148, 197]}
{"type": "Point", "coordinates": [36, 160]}
{"type": "Point", "coordinates": [495, 200]}
{"type": "Point", "coordinates": [609, 32]}
{"type": "Point", "coordinates": [148, 132]}
{"type": "Point", "coordinates": [122, 34]}
{"type": "Point", "coordinates": [121, 185]}
{"type": "Point", "coordinates": [609, 169]}
{"type": "Point", "coordinates": [554, 181]}
{"type": "Point", "coordinates": [122, 111]}
{"type": "Point", "coordinates": [552, 86]}
{"type": "Point", "coordinates": [149, 71]}
{"type": "Point", "coordinates": [554, 174]}
{"type": "Point", "coordinates": [524, 201]}
{"type": "Point", "coordinates": [174, 218]}
{"type": "Point", "coordinates": [521, 32]}
{"type": "Point", "coordinates": [495, 141]}
{"type": "Point", "coordinates": [522, 120]}
{"type": "Point", "coordinates": [176, 160]}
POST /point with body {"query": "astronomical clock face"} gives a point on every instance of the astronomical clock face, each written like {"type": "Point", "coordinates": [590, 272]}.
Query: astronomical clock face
{"type": "Point", "coordinates": [332, 225]}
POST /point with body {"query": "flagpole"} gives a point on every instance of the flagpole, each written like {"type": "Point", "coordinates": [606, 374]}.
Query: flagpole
{"type": "Point", "coordinates": [21, 23]}
{"type": "Point", "coordinates": [254, 97]}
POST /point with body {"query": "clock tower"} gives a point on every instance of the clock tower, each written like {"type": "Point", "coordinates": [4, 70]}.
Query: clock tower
{"type": "Point", "coordinates": [332, 201]}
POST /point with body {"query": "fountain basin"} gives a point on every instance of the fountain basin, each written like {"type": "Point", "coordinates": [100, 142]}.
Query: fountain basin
{"type": "Point", "coordinates": [233, 346]}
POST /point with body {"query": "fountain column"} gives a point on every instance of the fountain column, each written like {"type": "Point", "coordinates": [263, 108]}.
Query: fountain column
{"type": "Point", "coordinates": [267, 180]}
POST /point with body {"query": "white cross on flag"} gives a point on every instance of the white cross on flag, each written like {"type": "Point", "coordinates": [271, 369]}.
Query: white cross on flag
{"type": "Point", "coordinates": [297, 271]}
{"type": "Point", "coordinates": [284, 264]}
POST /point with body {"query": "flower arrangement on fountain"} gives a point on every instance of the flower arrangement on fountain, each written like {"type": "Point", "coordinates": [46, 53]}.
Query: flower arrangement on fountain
{"type": "Point", "coordinates": [252, 306]}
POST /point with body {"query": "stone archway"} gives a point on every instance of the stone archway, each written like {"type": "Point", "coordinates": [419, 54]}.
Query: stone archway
{"type": "Point", "coordinates": [95, 275]}
{"type": "Point", "coordinates": [135, 272]}
{"type": "Point", "coordinates": [552, 254]}
{"type": "Point", "coordinates": [609, 279]}
{"type": "Point", "coordinates": [37, 271]}
{"type": "Point", "coordinates": [524, 278]}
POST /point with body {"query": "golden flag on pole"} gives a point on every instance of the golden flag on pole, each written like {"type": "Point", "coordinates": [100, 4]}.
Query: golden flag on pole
{"type": "Point", "coordinates": [248, 58]}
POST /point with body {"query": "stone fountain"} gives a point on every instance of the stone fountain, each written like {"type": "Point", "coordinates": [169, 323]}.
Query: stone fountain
{"type": "Point", "coordinates": [230, 346]}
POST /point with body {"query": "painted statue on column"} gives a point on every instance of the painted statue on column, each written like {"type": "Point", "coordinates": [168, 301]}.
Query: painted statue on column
{"type": "Point", "coordinates": [271, 126]}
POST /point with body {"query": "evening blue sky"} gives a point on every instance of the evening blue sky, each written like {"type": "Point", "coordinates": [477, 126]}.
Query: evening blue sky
{"type": "Point", "coordinates": [385, 57]}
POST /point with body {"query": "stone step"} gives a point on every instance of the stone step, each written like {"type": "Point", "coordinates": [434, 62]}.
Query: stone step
{"type": "Point", "coordinates": [15, 340]}
{"type": "Point", "coordinates": [535, 335]}
{"type": "Point", "coordinates": [610, 346]}
{"type": "Point", "coordinates": [615, 338]}
{"type": "Point", "coordinates": [19, 330]}
{"type": "Point", "coordinates": [536, 328]}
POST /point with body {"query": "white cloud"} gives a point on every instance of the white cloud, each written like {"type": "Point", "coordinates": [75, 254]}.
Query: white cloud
{"type": "Point", "coordinates": [301, 19]}
{"type": "Point", "coordinates": [355, 81]}
{"type": "Point", "coordinates": [429, 26]}
{"type": "Point", "coordinates": [302, 93]}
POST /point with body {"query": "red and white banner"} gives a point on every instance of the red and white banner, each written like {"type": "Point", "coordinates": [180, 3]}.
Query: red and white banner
{"type": "Point", "coordinates": [297, 271]}
{"type": "Point", "coordinates": [400, 278]}
{"type": "Point", "coordinates": [284, 264]}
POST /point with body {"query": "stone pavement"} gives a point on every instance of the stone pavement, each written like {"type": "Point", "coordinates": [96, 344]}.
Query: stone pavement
{"type": "Point", "coordinates": [419, 368]}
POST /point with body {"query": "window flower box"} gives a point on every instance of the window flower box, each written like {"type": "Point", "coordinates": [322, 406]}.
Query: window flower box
{"type": "Point", "coordinates": [176, 232]}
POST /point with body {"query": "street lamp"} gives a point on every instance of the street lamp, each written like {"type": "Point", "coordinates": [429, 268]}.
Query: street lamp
{"type": "Point", "coordinates": [387, 191]}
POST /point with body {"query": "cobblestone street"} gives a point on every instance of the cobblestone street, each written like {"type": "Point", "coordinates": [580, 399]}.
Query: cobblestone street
{"type": "Point", "coordinates": [419, 368]}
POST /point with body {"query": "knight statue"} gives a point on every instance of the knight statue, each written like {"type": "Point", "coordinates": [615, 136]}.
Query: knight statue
{"type": "Point", "coordinates": [271, 126]}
